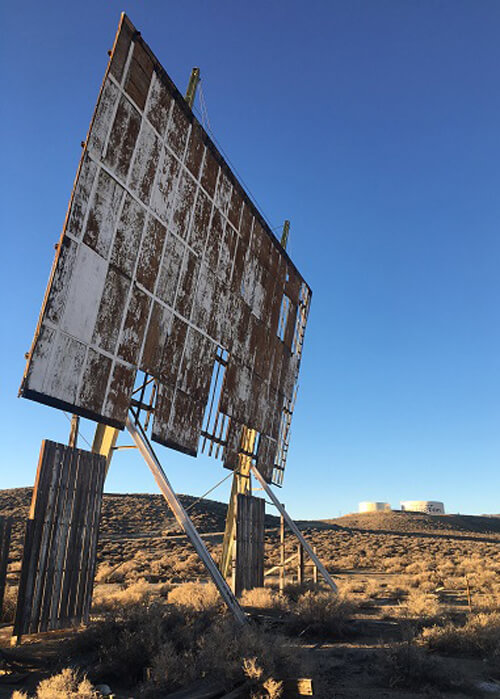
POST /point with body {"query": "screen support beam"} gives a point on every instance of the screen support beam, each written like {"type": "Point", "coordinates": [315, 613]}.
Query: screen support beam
{"type": "Point", "coordinates": [180, 514]}
{"type": "Point", "coordinates": [326, 575]}
{"type": "Point", "coordinates": [194, 79]}
{"type": "Point", "coordinates": [241, 484]}
{"type": "Point", "coordinates": [104, 442]}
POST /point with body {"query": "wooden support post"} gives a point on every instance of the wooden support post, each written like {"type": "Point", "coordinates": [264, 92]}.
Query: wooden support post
{"type": "Point", "coordinates": [315, 570]}
{"type": "Point", "coordinates": [282, 553]}
{"type": "Point", "coordinates": [284, 234]}
{"type": "Point", "coordinates": [104, 442]}
{"type": "Point", "coordinates": [194, 79]}
{"type": "Point", "coordinates": [300, 564]}
{"type": "Point", "coordinates": [73, 433]}
{"type": "Point", "coordinates": [183, 519]}
{"type": "Point", "coordinates": [308, 548]}
{"type": "Point", "coordinates": [241, 484]}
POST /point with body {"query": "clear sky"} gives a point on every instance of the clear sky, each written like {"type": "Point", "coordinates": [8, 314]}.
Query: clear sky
{"type": "Point", "coordinates": [374, 126]}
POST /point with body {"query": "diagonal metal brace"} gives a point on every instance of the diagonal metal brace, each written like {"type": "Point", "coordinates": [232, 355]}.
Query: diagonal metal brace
{"type": "Point", "coordinates": [183, 519]}
{"type": "Point", "coordinates": [326, 575]}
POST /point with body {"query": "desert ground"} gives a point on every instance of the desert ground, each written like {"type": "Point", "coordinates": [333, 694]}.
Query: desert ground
{"type": "Point", "coordinates": [417, 614]}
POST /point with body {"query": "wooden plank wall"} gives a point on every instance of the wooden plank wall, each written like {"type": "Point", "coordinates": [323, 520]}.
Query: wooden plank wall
{"type": "Point", "coordinates": [5, 532]}
{"type": "Point", "coordinates": [55, 589]}
{"type": "Point", "coordinates": [249, 543]}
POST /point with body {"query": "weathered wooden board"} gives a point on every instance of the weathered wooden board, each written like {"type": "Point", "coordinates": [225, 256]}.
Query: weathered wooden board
{"type": "Point", "coordinates": [5, 533]}
{"type": "Point", "coordinates": [164, 259]}
{"type": "Point", "coordinates": [55, 589]}
{"type": "Point", "coordinates": [249, 543]}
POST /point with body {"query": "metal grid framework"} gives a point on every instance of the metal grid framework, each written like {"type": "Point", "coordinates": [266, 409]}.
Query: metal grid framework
{"type": "Point", "coordinates": [57, 574]}
{"type": "Point", "coordinates": [166, 267]}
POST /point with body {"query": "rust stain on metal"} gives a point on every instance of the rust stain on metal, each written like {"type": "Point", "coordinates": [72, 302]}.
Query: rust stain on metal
{"type": "Point", "coordinates": [150, 253]}
{"type": "Point", "coordinates": [165, 266]}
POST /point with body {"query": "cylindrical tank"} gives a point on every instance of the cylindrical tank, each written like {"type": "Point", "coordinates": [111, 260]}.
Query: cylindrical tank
{"type": "Point", "coordinates": [430, 507]}
{"type": "Point", "coordinates": [374, 507]}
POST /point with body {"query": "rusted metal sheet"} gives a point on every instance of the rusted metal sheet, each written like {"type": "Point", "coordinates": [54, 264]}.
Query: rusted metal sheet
{"type": "Point", "coordinates": [249, 569]}
{"type": "Point", "coordinates": [162, 245]}
{"type": "Point", "coordinates": [5, 534]}
{"type": "Point", "coordinates": [57, 573]}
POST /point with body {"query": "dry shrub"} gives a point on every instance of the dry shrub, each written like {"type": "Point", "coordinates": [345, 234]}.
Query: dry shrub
{"type": "Point", "coordinates": [107, 598]}
{"type": "Point", "coordinates": [349, 586]}
{"type": "Point", "coordinates": [262, 598]}
{"type": "Point", "coordinates": [196, 596]}
{"type": "Point", "coordinates": [321, 613]}
{"type": "Point", "coordinates": [479, 636]}
{"type": "Point", "coordinates": [68, 684]}
{"type": "Point", "coordinates": [9, 605]}
{"type": "Point", "coordinates": [165, 647]}
{"type": "Point", "coordinates": [103, 572]}
{"type": "Point", "coordinates": [252, 669]}
{"type": "Point", "coordinates": [293, 591]}
{"type": "Point", "coordinates": [274, 689]}
{"type": "Point", "coordinates": [420, 605]}
{"type": "Point", "coordinates": [121, 646]}
{"type": "Point", "coordinates": [220, 650]}
{"type": "Point", "coordinates": [394, 564]}
{"type": "Point", "coordinates": [407, 666]}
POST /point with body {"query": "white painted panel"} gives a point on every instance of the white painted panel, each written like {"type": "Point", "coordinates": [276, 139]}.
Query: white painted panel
{"type": "Point", "coordinates": [40, 360]}
{"type": "Point", "coordinates": [84, 294]}
{"type": "Point", "coordinates": [62, 378]}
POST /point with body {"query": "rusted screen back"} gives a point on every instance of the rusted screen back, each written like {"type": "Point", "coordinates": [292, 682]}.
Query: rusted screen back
{"type": "Point", "coordinates": [166, 267]}
{"type": "Point", "coordinates": [55, 589]}
{"type": "Point", "coordinates": [5, 533]}
{"type": "Point", "coordinates": [249, 543]}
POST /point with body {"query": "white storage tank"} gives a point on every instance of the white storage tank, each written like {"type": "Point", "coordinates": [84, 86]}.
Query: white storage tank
{"type": "Point", "coordinates": [374, 507]}
{"type": "Point", "coordinates": [430, 507]}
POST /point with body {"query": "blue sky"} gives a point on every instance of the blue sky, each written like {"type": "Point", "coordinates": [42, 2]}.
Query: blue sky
{"type": "Point", "coordinates": [374, 127]}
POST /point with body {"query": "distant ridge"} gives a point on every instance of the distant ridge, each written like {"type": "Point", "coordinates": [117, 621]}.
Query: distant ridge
{"type": "Point", "coordinates": [125, 514]}
{"type": "Point", "coordinates": [132, 514]}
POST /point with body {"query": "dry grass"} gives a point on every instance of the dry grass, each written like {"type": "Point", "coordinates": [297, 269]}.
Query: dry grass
{"type": "Point", "coordinates": [9, 605]}
{"type": "Point", "coordinates": [68, 684]}
{"type": "Point", "coordinates": [163, 647]}
{"type": "Point", "coordinates": [197, 597]}
{"type": "Point", "coordinates": [420, 606]}
{"type": "Point", "coordinates": [407, 666]}
{"type": "Point", "coordinates": [225, 652]}
{"type": "Point", "coordinates": [479, 636]}
{"type": "Point", "coordinates": [321, 614]}
{"type": "Point", "coordinates": [262, 598]}
{"type": "Point", "coordinates": [108, 598]}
